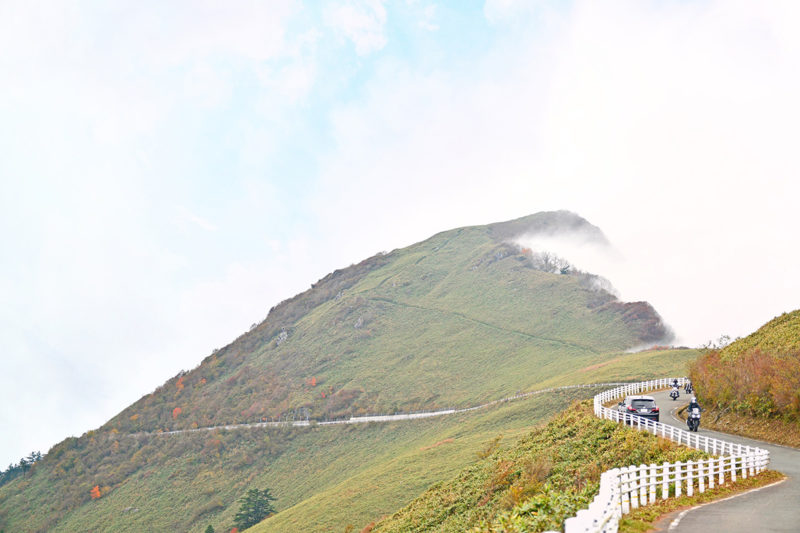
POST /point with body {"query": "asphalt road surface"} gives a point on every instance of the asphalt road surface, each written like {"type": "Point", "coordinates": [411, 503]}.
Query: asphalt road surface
{"type": "Point", "coordinates": [775, 508]}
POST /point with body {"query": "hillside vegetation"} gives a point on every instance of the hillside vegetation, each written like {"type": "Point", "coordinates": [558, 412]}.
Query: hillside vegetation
{"type": "Point", "coordinates": [780, 337]}
{"type": "Point", "coordinates": [462, 318]}
{"type": "Point", "coordinates": [753, 385]}
{"type": "Point", "coordinates": [758, 375]}
{"type": "Point", "coordinates": [415, 328]}
{"type": "Point", "coordinates": [544, 478]}
{"type": "Point", "coordinates": [451, 444]}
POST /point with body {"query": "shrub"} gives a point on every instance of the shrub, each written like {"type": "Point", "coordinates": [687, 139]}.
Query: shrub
{"type": "Point", "coordinates": [754, 383]}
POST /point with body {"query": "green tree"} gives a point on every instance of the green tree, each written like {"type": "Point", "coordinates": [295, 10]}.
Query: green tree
{"type": "Point", "coordinates": [255, 506]}
{"type": "Point", "coordinates": [210, 529]}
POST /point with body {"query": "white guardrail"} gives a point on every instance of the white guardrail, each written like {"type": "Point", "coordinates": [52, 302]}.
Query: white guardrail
{"type": "Point", "coordinates": [623, 489]}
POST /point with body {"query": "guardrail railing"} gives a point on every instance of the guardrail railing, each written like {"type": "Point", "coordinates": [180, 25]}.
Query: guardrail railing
{"type": "Point", "coordinates": [624, 489]}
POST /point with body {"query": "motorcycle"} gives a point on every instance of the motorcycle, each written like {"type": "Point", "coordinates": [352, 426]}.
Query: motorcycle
{"type": "Point", "coordinates": [674, 394]}
{"type": "Point", "coordinates": [693, 419]}
{"type": "Point", "coordinates": [688, 388]}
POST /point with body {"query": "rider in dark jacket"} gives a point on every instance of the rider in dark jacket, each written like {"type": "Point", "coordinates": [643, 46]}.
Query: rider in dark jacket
{"type": "Point", "coordinates": [693, 403]}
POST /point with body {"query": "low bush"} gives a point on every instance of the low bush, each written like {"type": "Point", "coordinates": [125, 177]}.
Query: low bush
{"type": "Point", "coordinates": [755, 383]}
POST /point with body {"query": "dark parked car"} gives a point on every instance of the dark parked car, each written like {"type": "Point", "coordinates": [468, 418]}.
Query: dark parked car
{"type": "Point", "coordinates": [644, 406]}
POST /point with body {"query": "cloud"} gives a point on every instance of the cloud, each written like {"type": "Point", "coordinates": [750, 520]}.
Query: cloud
{"type": "Point", "coordinates": [362, 22]}
{"type": "Point", "coordinates": [104, 114]}
{"type": "Point", "coordinates": [505, 11]}
{"type": "Point", "coordinates": [428, 18]}
{"type": "Point", "coordinates": [185, 215]}
{"type": "Point", "coordinates": [671, 128]}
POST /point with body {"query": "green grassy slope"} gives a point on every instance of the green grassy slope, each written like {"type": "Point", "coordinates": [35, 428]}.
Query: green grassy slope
{"type": "Point", "coordinates": [185, 482]}
{"type": "Point", "coordinates": [778, 337]}
{"type": "Point", "coordinates": [443, 311]}
{"type": "Point", "coordinates": [455, 320]}
{"type": "Point", "coordinates": [539, 481]}
{"type": "Point", "coordinates": [416, 456]}
{"type": "Point", "coordinates": [396, 481]}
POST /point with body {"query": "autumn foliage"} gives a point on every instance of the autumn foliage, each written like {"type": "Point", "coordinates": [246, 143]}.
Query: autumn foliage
{"type": "Point", "coordinates": [176, 412]}
{"type": "Point", "coordinates": [95, 492]}
{"type": "Point", "coordinates": [755, 383]}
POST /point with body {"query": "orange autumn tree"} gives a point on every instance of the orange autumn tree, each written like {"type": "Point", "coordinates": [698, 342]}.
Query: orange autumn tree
{"type": "Point", "coordinates": [95, 492]}
{"type": "Point", "coordinates": [176, 412]}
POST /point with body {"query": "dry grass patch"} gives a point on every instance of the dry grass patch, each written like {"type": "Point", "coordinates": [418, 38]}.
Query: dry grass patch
{"type": "Point", "coordinates": [434, 445]}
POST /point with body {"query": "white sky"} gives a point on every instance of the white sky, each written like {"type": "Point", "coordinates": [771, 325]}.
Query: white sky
{"type": "Point", "coordinates": [169, 173]}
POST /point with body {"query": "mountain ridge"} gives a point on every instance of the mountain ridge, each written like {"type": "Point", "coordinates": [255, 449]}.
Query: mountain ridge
{"type": "Point", "coordinates": [458, 319]}
{"type": "Point", "coordinates": [282, 321]}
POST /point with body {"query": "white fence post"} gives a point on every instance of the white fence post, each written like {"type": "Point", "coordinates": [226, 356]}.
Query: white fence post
{"type": "Point", "coordinates": [633, 487]}
{"type": "Point", "coordinates": [689, 478]}
{"type": "Point", "coordinates": [711, 473]}
{"type": "Point", "coordinates": [624, 488]}
{"type": "Point", "coordinates": [643, 484]}
{"type": "Point", "coordinates": [652, 483]}
{"type": "Point", "coordinates": [701, 482]}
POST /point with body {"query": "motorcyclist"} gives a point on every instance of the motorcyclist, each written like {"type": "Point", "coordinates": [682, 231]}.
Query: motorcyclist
{"type": "Point", "coordinates": [693, 403]}
{"type": "Point", "coordinates": [688, 387]}
{"type": "Point", "coordinates": [675, 390]}
{"type": "Point", "coordinates": [691, 420]}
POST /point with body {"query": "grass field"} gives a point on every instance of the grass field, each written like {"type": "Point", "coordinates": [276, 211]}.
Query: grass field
{"type": "Point", "coordinates": [326, 478]}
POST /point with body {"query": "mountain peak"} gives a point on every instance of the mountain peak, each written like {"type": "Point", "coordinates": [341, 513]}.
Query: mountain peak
{"type": "Point", "coordinates": [548, 224]}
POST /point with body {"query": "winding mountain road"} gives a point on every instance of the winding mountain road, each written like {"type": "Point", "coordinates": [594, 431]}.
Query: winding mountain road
{"type": "Point", "coordinates": [774, 509]}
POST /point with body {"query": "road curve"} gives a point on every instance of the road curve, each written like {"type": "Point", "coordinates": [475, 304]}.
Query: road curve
{"type": "Point", "coordinates": [773, 509]}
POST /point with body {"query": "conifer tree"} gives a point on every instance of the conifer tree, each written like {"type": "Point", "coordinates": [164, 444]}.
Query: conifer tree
{"type": "Point", "coordinates": [255, 506]}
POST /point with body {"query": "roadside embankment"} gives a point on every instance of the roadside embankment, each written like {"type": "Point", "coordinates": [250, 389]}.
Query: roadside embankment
{"type": "Point", "coordinates": [774, 430]}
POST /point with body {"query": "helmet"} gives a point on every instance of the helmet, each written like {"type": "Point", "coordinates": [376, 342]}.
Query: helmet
{"type": "Point", "coordinates": [694, 399]}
